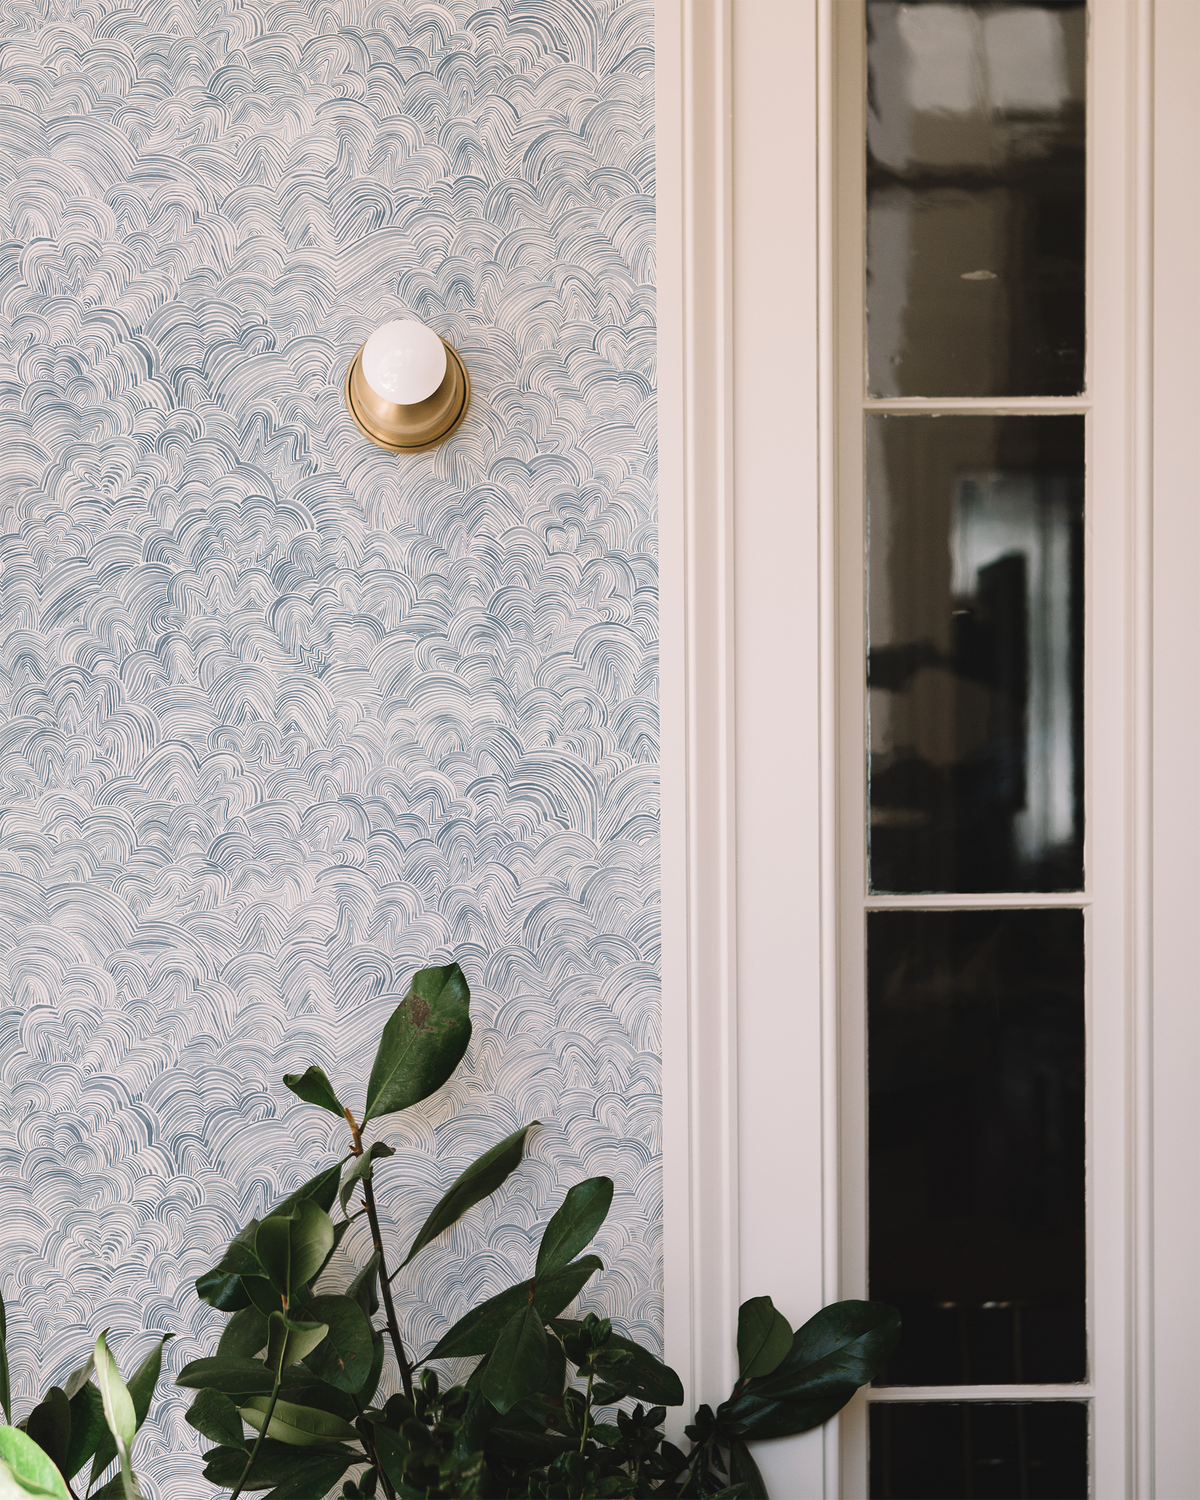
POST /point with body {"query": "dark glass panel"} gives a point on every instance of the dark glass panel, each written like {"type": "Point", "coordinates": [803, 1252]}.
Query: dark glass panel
{"type": "Point", "coordinates": [1020, 1450]}
{"type": "Point", "coordinates": [976, 1178]}
{"type": "Point", "coordinates": [975, 652]}
{"type": "Point", "coordinates": [975, 191]}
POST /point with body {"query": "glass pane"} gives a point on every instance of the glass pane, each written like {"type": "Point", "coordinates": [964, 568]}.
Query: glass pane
{"type": "Point", "coordinates": [1020, 1450]}
{"type": "Point", "coordinates": [975, 192]}
{"type": "Point", "coordinates": [975, 653]}
{"type": "Point", "coordinates": [975, 1041]}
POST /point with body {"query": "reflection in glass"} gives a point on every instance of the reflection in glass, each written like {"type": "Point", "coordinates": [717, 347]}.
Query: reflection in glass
{"type": "Point", "coordinates": [975, 184]}
{"type": "Point", "coordinates": [975, 653]}
{"type": "Point", "coordinates": [1019, 1450]}
{"type": "Point", "coordinates": [975, 1046]}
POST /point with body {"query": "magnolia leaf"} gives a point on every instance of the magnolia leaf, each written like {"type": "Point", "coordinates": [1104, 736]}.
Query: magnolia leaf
{"type": "Point", "coordinates": [25, 1470]}
{"type": "Point", "coordinates": [517, 1367]}
{"type": "Point", "coordinates": [293, 1248]}
{"type": "Point", "coordinates": [279, 1463]}
{"type": "Point", "coordinates": [245, 1334]}
{"type": "Point", "coordinates": [745, 1472]}
{"type": "Point", "coordinates": [839, 1349]}
{"type": "Point", "coordinates": [361, 1171]}
{"type": "Point", "coordinates": [223, 1287]}
{"type": "Point", "coordinates": [236, 1377]}
{"type": "Point", "coordinates": [477, 1332]}
{"type": "Point", "coordinates": [422, 1043]}
{"type": "Point", "coordinates": [583, 1211]}
{"type": "Point", "coordinates": [302, 1426]}
{"type": "Point", "coordinates": [343, 1360]}
{"type": "Point", "coordinates": [288, 1341]}
{"type": "Point", "coordinates": [215, 1416]}
{"type": "Point", "coordinates": [764, 1337]}
{"type": "Point", "coordinates": [630, 1368]}
{"type": "Point", "coordinates": [479, 1181]}
{"type": "Point", "coordinates": [315, 1088]}
{"type": "Point", "coordinates": [363, 1287]}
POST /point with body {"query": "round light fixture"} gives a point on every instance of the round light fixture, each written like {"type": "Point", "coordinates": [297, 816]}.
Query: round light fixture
{"type": "Point", "coordinates": [406, 388]}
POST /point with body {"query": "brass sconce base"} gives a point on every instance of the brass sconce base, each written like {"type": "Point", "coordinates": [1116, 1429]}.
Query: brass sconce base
{"type": "Point", "coordinates": [409, 429]}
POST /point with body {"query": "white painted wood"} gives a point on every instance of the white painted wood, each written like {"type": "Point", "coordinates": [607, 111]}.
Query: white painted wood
{"type": "Point", "coordinates": [749, 272]}
{"type": "Point", "coordinates": [1176, 730]}
{"type": "Point", "coordinates": [699, 865]}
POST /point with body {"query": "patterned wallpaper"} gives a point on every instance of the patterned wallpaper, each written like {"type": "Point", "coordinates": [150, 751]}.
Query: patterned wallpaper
{"type": "Point", "coordinates": [283, 716]}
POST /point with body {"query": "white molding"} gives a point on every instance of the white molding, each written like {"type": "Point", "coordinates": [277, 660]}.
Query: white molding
{"type": "Point", "coordinates": [696, 534]}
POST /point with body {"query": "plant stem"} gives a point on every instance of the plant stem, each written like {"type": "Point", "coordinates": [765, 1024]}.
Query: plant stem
{"type": "Point", "coordinates": [373, 1452]}
{"type": "Point", "coordinates": [385, 1286]}
{"type": "Point", "coordinates": [587, 1410]}
{"type": "Point", "coordinates": [262, 1432]}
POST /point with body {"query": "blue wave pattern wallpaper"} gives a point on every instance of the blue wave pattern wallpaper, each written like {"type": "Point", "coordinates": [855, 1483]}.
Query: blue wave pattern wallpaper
{"type": "Point", "coordinates": [285, 717]}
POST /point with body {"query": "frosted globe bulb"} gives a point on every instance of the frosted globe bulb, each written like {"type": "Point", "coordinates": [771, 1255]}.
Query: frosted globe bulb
{"type": "Point", "coordinates": [404, 361]}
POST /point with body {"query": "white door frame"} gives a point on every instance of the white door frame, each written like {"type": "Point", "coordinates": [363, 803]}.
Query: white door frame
{"type": "Point", "coordinates": [750, 1031]}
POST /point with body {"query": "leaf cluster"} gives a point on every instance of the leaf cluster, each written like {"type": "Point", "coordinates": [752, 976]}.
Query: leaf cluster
{"type": "Point", "coordinates": [291, 1398]}
{"type": "Point", "coordinates": [93, 1416]}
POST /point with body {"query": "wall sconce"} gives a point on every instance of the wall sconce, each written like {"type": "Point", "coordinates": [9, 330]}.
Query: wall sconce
{"type": "Point", "coordinates": [406, 388]}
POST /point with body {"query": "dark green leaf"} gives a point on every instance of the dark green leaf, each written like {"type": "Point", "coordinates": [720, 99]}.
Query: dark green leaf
{"type": "Point", "coordinates": [215, 1416]}
{"type": "Point", "coordinates": [317, 1476]}
{"type": "Point", "coordinates": [744, 1471]}
{"type": "Point", "coordinates": [222, 1286]}
{"type": "Point", "coordinates": [321, 1190]}
{"type": "Point", "coordinates": [363, 1287]}
{"type": "Point", "coordinates": [289, 1340]}
{"type": "Point", "coordinates": [262, 1295]}
{"type": "Point", "coordinates": [293, 1248]}
{"type": "Point", "coordinates": [302, 1426]}
{"type": "Point", "coordinates": [371, 1384]}
{"type": "Point", "coordinates": [524, 1446]}
{"type": "Point", "coordinates": [362, 1170]}
{"type": "Point", "coordinates": [575, 1224]}
{"type": "Point", "coordinates": [113, 1490]}
{"type": "Point", "coordinates": [843, 1347]}
{"type": "Point", "coordinates": [79, 1377]}
{"type": "Point", "coordinates": [518, 1364]}
{"type": "Point", "coordinates": [477, 1332]}
{"type": "Point", "coordinates": [422, 1043]}
{"type": "Point", "coordinates": [276, 1462]}
{"type": "Point", "coordinates": [141, 1390]}
{"type": "Point", "coordinates": [88, 1428]}
{"type": "Point", "coordinates": [5, 1393]}
{"type": "Point", "coordinates": [302, 1388]}
{"type": "Point", "coordinates": [236, 1377]}
{"type": "Point", "coordinates": [49, 1425]}
{"type": "Point", "coordinates": [630, 1368]}
{"type": "Point", "coordinates": [392, 1457]}
{"type": "Point", "coordinates": [764, 1337]}
{"type": "Point", "coordinates": [479, 1181]}
{"type": "Point", "coordinates": [245, 1334]}
{"type": "Point", "coordinates": [315, 1088]}
{"type": "Point", "coordinates": [343, 1360]}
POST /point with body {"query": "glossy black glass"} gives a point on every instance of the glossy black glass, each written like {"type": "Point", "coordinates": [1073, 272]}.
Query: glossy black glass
{"type": "Point", "coordinates": [975, 652]}
{"type": "Point", "coordinates": [1027, 1450]}
{"type": "Point", "coordinates": [975, 198]}
{"type": "Point", "coordinates": [976, 1075]}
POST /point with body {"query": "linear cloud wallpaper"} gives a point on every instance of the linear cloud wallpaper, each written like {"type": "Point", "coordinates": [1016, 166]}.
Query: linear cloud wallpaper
{"type": "Point", "coordinates": [285, 717]}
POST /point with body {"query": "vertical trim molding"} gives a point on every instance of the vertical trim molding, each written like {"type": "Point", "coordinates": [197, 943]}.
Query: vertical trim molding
{"type": "Point", "coordinates": [696, 529]}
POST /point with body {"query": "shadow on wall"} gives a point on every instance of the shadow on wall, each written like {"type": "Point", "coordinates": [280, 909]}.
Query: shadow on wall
{"type": "Point", "coordinates": [287, 718]}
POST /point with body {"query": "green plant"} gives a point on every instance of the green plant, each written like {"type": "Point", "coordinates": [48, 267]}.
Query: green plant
{"type": "Point", "coordinates": [301, 1366]}
{"type": "Point", "coordinates": [75, 1422]}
